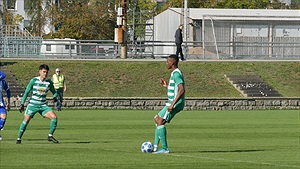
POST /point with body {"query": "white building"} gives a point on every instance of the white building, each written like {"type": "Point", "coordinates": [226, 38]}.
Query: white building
{"type": "Point", "coordinates": [59, 47]}
{"type": "Point", "coordinates": [220, 31]}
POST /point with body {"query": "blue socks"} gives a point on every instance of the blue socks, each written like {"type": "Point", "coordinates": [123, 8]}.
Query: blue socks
{"type": "Point", "coordinates": [2, 122]}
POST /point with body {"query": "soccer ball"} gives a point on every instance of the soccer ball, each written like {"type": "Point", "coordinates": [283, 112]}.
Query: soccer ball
{"type": "Point", "coordinates": [147, 147]}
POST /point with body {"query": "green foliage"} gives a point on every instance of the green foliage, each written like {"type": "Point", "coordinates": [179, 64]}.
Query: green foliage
{"type": "Point", "coordinates": [172, 4]}
{"type": "Point", "coordinates": [17, 19]}
{"type": "Point", "coordinates": [141, 79]}
{"type": "Point", "coordinates": [139, 12]}
{"type": "Point", "coordinates": [1, 12]}
{"type": "Point", "coordinates": [206, 4]}
{"type": "Point", "coordinates": [81, 19]}
{"type": "Point", "coordinates": [277, 4]}
{"type": "Point", "coordinates": [295, 5]}
{"type": "Point", "coordinates": [235, 4]}
{"type": "Point", "coordinates": [94, 139]}
{"type": "Point", "coordinates": [244, 4]}
{"type": "Point", "coordinates": [88, 20]}
{"type": "Point", "coordinates": [34, 9]}
{"type": "Point", "coordinates": [6, 15]}
{"type": "Point", "coordinates": [146, 4]}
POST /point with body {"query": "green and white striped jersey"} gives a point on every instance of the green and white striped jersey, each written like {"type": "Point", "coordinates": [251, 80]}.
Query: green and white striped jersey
{"type": "Point", "coordinates": [39, 91]}
{"type": "Point", "coordinates": [175, 79]}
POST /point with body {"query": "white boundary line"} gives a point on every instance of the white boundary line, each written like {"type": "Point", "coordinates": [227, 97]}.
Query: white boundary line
{"type": "Point", "coordinates": [234, 161]}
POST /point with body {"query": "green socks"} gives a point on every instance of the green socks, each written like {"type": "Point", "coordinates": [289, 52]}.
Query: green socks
{"type": "Point", "coordinates": [22, 129]}
{"type": "Point", "coordinates": [156, 142]}
{"type": "Point", "coordinates": [161, 133]}
{"type": "Point", "coordinates": [53, 124]}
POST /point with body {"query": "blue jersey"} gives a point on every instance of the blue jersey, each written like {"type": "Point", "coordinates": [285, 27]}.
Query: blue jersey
{"type": "Point", "coordinates": [3, 87]}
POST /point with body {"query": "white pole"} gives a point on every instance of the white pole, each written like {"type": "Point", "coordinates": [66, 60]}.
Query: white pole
{"type": "Point", "coordinates": [203, 37]}
{"type": "Point", "coordinates": [185, 20]}
{"type": "Point", "coordinates": [185, 26]}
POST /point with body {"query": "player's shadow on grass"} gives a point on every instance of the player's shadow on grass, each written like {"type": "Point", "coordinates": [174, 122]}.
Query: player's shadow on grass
{"type": "Point", "coordinates": [80, 142]}
{"type": "Point", "coordinates": [230, 151]}
{"type": "Point", "coordinates": [44, 141]}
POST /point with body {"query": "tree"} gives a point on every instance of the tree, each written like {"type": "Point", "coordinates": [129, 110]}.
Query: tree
{"type": "Point", "coordinates": [6, 15]}
{"type": "Point", "coordinates": [208, 3]}
{"type": "Point", "coordinates": [171, 4]}
{"type": "Point", "coordinates": [295, 5]}
{"type": "Point", "coordinates": [276, 4]}
{"type": "Point", "coordinates": [17, 19]}
{"type": "Point", "coordinates": [38, 13]}
{"type": "Point", "coordinates": [243, 4]}
{"type": "Point", "coordinates": [78, 19]}
{"type": "Point", "coordinates": [83, 19]}
{"type": "Point", "coordinates": [1, 11]}
{"type": "Point", "coordinates": [139, 12]}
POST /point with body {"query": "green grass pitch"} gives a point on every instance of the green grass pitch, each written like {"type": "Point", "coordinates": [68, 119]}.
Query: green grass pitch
{"type": "Point", "coordinates": [90, 139]}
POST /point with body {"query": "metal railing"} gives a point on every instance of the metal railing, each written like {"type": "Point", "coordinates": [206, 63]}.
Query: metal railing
{"type": "Point", "coordinates": [108, 49]}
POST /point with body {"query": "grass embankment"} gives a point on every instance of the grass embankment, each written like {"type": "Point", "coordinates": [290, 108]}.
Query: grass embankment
{"type": "Point", "coordinates": [141, 79]}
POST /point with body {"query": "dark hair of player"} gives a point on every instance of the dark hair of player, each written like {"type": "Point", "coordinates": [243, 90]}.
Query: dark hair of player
{"type": "Point", "coordinates": [44, 66]}
{"type": "Point", "coordinates": [175, 58]}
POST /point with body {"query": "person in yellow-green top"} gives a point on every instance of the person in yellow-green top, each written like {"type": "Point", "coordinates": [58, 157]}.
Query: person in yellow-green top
{"type": "Point", "coordinates": [59, 82]}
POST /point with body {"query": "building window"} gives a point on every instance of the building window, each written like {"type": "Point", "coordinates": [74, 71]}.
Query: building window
{"type": "Point", "coordinates": [67, 47]}
{"type": "Point", "coordinates": [11, 4]}
{"type": "Point", "coordinates": [48, 47]}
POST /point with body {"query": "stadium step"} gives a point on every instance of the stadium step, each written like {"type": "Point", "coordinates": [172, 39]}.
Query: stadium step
{"type": "Point", "coordinates": [252, 86]}
{"type": "Point", "coordinates": [16, 88]}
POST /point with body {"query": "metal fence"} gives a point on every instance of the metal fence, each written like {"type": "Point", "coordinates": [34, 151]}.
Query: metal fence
{"type": "Point", "coordinates": [75, 49]}
{"type": "Point", "coordinates": [221, 40]}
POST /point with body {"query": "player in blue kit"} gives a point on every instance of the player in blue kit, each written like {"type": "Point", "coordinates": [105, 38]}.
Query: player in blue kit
{"type": "Point", "coordinates": [4, 107]}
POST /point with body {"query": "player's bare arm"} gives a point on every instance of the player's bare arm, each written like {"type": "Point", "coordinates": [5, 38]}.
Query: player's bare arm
{"type": "Point", "coordinates": [8, 104]}
{"type": "Point", "coordinates": [163, 83]}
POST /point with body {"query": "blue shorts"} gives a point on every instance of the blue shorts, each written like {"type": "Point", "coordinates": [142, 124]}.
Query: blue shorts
{"type": "Point", "coordinates": [168, 116]}
{"type": "Point", "coordinates": [2, 110]}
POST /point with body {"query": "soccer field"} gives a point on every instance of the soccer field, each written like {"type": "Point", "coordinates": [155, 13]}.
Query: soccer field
{"type": "Point", "coordinates": [89, 139]}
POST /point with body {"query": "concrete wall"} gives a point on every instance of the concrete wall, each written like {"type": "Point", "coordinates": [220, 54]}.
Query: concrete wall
{"type": "Point", "coordinates": [191, 103]}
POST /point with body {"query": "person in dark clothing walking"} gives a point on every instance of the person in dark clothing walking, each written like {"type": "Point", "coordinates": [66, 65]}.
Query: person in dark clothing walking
{"type": "Point", "coordinates": [178, 42]}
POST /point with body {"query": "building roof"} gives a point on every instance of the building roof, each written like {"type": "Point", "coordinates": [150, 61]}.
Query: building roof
{"type": "Point", "coordinates": [241, 14]}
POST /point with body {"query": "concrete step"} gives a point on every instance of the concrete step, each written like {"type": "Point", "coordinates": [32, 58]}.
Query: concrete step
{"type": "Point", "coordinates": [263, 95]}
{"type": "Point", "coordinates": [16, 88]}
{"type": "Point", "coordinates": [252, 86]}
